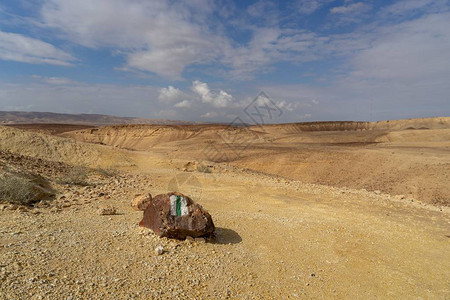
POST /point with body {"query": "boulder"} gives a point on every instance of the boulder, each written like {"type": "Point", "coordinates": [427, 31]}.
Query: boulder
{"type": "Point", "coordinates": [175, 215]}
{"type": "Point", "coordinates": [141, 202]}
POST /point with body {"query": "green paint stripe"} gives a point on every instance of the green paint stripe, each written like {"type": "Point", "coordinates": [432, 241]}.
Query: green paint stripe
{"type": "Point", "coordinates": [178, 206]}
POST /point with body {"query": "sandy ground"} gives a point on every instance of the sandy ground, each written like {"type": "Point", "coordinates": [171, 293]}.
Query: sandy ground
{"type": "Point", "coordinates": [277, 238]}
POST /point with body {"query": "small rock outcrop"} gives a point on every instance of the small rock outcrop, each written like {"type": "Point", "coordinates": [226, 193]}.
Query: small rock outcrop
{"type": "Point", "coordinates": [141, 202]}
{"type": "Point", "coordinates": [175, 215]}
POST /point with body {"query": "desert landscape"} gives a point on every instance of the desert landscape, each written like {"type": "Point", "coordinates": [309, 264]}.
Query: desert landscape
{"type": "Point", "coordinates": [206, 149]}
{"type": "Point", "coordinates": [302, 210]}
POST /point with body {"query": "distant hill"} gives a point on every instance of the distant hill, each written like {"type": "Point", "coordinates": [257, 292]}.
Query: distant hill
{"type": "Point", "coordinates": [22, 117]}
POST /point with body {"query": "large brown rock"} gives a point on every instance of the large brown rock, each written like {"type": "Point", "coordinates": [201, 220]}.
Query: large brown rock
{"type": "Point", "coordinates": [175, 215]}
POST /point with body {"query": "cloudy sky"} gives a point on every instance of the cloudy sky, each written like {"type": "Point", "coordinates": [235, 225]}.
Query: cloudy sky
{"type": "Point", "coordinates": [202, 60]}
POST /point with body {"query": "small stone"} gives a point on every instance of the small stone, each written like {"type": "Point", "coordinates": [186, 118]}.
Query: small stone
{"type": "Point", "coordinates": [159, 250]}
{"type": "Point", "coordinates": [106, 211]}
{"type": "Point", "coordinates": [22, 209]}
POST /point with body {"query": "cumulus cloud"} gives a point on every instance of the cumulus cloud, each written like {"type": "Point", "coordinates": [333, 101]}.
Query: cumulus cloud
{"type": "Point", "coordinates": [169, 94]}
{"type": "Point", "coordinates": [21, 48]}
{"type": "Point", "coordinates": [220, 99]}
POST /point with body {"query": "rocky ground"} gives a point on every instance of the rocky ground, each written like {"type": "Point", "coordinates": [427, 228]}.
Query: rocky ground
{"type": "Point", "coordinates": [276, 238]}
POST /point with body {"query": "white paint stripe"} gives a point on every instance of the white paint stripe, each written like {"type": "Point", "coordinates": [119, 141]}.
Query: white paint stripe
{"type": "Point", "coordinates": [173, 205]}
{"type": "Point", "coordinates": [184, 209]}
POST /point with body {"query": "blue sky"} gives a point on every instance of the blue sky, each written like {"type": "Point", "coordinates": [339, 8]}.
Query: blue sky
{"type": "Point", "coordinates": [206, 60]}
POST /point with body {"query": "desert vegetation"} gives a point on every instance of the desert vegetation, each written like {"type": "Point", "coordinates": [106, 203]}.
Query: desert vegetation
{"type": "Point", "coordinates": [16, 190]}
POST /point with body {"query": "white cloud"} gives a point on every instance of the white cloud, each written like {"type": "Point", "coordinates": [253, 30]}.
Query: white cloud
{"type": "Point", "coordinates": [184, 104]}
{"type": "Point", "coordinates": [265, 11]}
{"type": "Point", "coordinates": [169, 94]}
{"type": "Point", "coordinates": [308, 7]}
{"type": "Point", "coordinates": [156, 36]}
{"type": "Point", "coordinates": [209, 115]}
{"type": "Point", "coordinates": [407, 8]}
{"type": "Point", "coordinates": [416, 51]}
{"type": "Point", "coordinates": [164, 37]}
{"type": "Point", "coordinates": [402, 69]}
{"type": "Point", "coordinates": [221, 99]}
{"type": "Point", "coordinates": [351, 8]}
{"type": "Point", "coordinates": [18, 47]}
{"type": "Point", "coordinates": [55, 80]}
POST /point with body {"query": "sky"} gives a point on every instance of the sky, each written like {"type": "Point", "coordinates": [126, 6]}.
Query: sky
{"type": "Point", "coordinates": [209, 61]}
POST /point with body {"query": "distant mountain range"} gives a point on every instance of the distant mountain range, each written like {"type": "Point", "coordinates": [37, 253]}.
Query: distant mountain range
{"type": "Point", "coordinates": [22, 117]}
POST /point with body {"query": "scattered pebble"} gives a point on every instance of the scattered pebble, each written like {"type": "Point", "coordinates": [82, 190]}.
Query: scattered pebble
{"type": "Point", "coordinates": [159, 250]}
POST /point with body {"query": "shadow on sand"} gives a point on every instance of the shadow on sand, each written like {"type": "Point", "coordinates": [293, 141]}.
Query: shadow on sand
{"type": "Point", "coordinates": [227, 236]}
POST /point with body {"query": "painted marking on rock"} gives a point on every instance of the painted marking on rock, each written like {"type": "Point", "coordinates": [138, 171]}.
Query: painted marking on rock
{"type": "Point", "coordinates": [178, 206]}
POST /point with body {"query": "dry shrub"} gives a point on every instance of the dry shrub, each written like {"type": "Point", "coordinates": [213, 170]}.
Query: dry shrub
{"type": "Point", "coordinates": [16, 190]}
{"type": "Point", "coordinates": [76, 176]}
{"type": "Point", "coordinates": [204, 169]}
